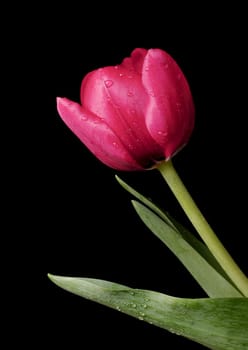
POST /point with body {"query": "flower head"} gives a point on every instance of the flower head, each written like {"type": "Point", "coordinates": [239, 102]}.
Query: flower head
{"type": "Point", "coordinates": [133, 115]}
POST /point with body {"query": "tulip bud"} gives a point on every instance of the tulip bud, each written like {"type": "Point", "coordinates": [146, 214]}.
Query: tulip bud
{"type": "Point", "coordinates": [133, 115]}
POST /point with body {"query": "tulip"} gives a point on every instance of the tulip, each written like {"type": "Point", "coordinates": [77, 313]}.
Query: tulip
{"type": "Point", "coordinates": [134, 115]}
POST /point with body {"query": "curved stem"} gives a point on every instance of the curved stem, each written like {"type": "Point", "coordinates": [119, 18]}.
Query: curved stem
{"type": "Point", "coordinates": [176, 185]}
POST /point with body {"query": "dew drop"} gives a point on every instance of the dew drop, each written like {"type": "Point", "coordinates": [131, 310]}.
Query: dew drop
{"type": "Point", "coordinates": [97, 121]}
{"type": "Point", "coordinates": [131, 146]}
{"type": "Point", "coordinates": [134, 305]}
{"type": "Point", "coordinates": [140, 318]}
{"type": "Point", "coordinates": [162, 133]}
{"type": "Point", "coordinates": [115, 144]}
{"type": "Point", "coordinates": [175, 331]}
{"type": "Point", "coordinates": [121, 74]}
{"type": "Point", "coordinates": [118, 308]}
{"type": "Point", "coordinates": [108, 83]}
{"type": "Point", "coordinates": [151, 93]}
{"type": "Point", "coordinates": [130, 94]}
{"type": "Point", "coordinates": [83, 117]}
{"type": "Point", "coordinates": [145, 306]}
{"type": "Point", "coordinates": [130, 76]}
{"type": "Point", "coordinates": [178, 106]}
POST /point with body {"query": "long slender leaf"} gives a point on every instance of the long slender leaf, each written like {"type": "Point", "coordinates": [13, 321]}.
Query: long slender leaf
{"type": "Point", "coordinates": [196, 243]}
{"type": "Point", "coordinates": [147, 202]}
{"type": "Point", "coordinates": [213, 283]}
{"type": "Point", "coordinates": [217, 323]}
{"type": "Point", "coordinates": [194, 247]}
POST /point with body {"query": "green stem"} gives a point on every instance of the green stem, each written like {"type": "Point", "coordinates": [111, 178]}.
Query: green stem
{"type": "Point", "coordinates": [176, 185]}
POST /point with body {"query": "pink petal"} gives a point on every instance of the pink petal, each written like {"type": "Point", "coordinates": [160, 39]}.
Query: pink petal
{"type": "Point", "coordinates": [135, 62]}
{"type": "Point", "coordinates": [170, 111]}
{"type": "Point", "coordinates": [117, 96]}
{"type": "Point", "coordinates": [96, 135]}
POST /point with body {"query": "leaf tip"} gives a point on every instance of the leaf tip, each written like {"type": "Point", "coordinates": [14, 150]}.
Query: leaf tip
{"type": "Point", "coordinates": [119, 180]}
{"type": "Point", "coordinates": [51, 277]}
{"type": "Point", "coordinates": [54, 278]}
{"type": "Point", "coordinates": [135, 204]}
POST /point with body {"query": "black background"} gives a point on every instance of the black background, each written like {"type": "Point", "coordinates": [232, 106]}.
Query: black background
{"type": "Point", "coordinates": [67, 215]}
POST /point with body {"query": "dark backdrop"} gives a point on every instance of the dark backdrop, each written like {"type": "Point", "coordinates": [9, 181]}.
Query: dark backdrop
{"type": "Point", "coordinates": [69, 216]}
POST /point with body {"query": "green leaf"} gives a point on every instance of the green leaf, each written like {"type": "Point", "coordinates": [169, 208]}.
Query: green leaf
{"type": "Point", "coordinates": [213, 283]}
{"type": "Point", "coordinates": [194, 255]}
{"type": "Point", "coordinates": [217, 323]}
{"type": "Point", "coordinates": [147, 202]}
{"type": "Point", "coordinates": [188, 236]}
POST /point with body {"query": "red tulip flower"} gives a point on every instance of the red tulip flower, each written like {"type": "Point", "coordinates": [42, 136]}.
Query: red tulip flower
{"type": "Point", "coordinates": [133, 115]}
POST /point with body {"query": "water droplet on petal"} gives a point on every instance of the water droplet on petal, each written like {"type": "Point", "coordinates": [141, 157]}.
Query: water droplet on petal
{"type": "Point", "coordinates": [130, 76]}
{"type": "Point", "coordinates": [178, 106]}
{"type": "Point", "coordinates": [130, 93]}
{"type": "Point", "coordinates": [108, 83]}
{"type": "Point", "coordinates": [162, 133]}
{"type": "Point", "coordinates": [121, 74]}
{"type": "Point", "coordinates": [97, 121]}
{"type": "Point", "coordinates": [131, 146]}
{"type": "Point", "coordinates": [83, 117]}
{"type": "Point", "coordinates": [151, 93]}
